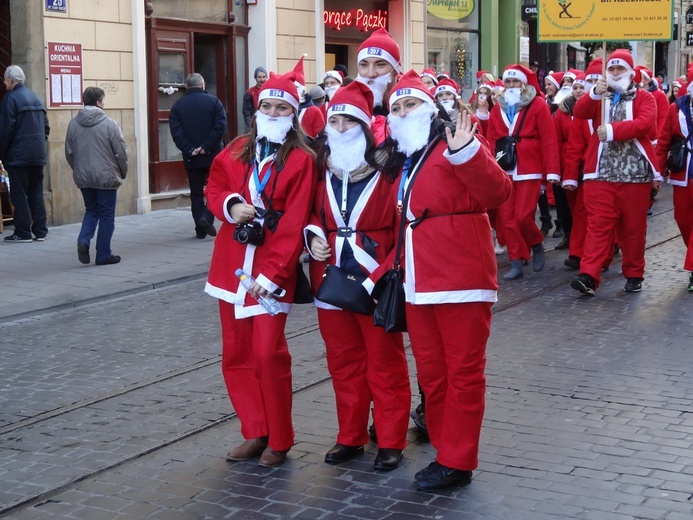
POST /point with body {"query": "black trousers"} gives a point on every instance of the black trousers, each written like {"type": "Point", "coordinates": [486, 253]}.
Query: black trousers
{"type": "Point", "coordinates": [197, 179]}
{"type": "Point", "coordinates": [26, 194]}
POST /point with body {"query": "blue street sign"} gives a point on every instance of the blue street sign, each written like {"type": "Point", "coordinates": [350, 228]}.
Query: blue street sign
{"type": "Point", "coordinates": [59, 6]}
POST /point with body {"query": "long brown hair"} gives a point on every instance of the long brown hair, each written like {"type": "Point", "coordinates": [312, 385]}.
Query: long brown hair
{"type": "Point", "coordinates": [295, 138]}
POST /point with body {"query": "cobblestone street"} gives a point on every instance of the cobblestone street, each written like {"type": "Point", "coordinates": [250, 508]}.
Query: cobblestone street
{"type": "Point", "coordinates": [116, 408]}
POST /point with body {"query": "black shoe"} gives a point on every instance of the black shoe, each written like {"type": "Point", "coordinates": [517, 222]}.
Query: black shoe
{"type": "Point", "coordinates": [437, 476]}
{"type": "Point", "coordinates": [545, 225]}
{"type": "Point", "coordinates": [572, 261]}
{"type": "Point", "coordinates": [583, 283]}
{"type": "Point", "coordinates": [342, 453]}
{"type": "Point", "coordinates": [372, 433]}
{"type": "Point", "coordinates": [16, 239]}
{"type": "Point", "coordinates": [538, 258]}
{"type": "Point", "coordinates": [418, 415]}
{"type": "Point", "coordinates": [83, 252]}
{"type": "Point", "coordinates": [565, 243]}
{"type": "Point", "coordinates": [633, 285]}
{"type": "Point", "coordinates": [40, 239]}
{"type": "Point", "coordinates": [690, 283]}
{"type": "Point", "coordinates": [207, 227]}
{"type": "Point", "coordinates": [387, 459]}
{"type": "Point", "coordinates": [558, 233]}
{"type": "Point", "coordinates": [113, 259]}
{"type": "Point", "coordinates": [200, 234]}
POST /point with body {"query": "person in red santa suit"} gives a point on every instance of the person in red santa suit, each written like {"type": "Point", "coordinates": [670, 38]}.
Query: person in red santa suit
{"type": "Point", "coordinates": [524, 115]}
{"type": "Point", "coordinates": [619, 173]}
{"type": "Point", "coordinates": [333, 81]}
{"type": "Point", "coordinates": [312, 119]}
{"type": "Point", "coordinates": [352, 227]}
{"type": "Point", "coordinates": [429, 78]}
{"type": "Point", "coordinates": [552, 84]}
{"type": "Point", "coordinates": [678, 125]}
{"type": "Point", "coordinates": [261, 180]}
{"type": "Point", "coordinates": [445, 184]}
{"type": "Point", "coordinates": [378, 65]}
{"type": "Point", "coordinates": [645, 78]}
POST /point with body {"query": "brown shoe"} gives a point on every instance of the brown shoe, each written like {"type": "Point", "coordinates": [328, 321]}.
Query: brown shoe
{"type": "Point", "coordinates": [271, 458]}
{"type": "Point", "coordinates": [247, 450]}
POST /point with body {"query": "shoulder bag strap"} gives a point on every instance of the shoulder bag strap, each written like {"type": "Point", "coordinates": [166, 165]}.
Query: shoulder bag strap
{"type": "Point", "coordinates": [518, 129]}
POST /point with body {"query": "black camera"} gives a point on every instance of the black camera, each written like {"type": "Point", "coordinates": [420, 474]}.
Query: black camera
{"type": "Point", "coordinates": [249, 233]}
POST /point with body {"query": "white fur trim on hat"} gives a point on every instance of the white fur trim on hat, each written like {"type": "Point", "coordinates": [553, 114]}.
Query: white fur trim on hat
{"type": "Point", "coordinates": [589, 77]}
{"type": "Point", "coordinates": [409, 92]}
{"type": "Point", "coordinates": [275, 93]}
{"type": "Point", "coordinates": [444, 88]}
{"type": "Point", "coordinates": [619, 61]}
{"type": "Point", "coordinates": [344, 109]}
{"type": "Point", "coordinates": [334, 75]}
{"type": "Point", "coordinates": [515, 74]}
{"type": "Point", "coordinates": [377, 52]}
{"type": "Point", "coordinates": [553, 80]}
{"type": "Point", "coordinates": [429, 75]}
{"type": "Point", "coordinates": [579, 82]}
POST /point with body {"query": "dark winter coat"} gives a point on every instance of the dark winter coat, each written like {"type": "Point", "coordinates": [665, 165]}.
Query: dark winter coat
{"type": "Point", "coordinates": [24, 128]}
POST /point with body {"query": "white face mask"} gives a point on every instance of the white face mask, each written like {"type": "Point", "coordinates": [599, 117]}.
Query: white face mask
{"type": "Point", "coordinates": [347, 149]}
{"type": "Point", "coordinates": [274, 129]}
{"type": "Point", "coordinates": [411, 131]}
{"type": "Point", "coordinates": [618, 83]}
{"type": "Point", "coordinates": [448, 105]}
{"type": "Point", "coordinates": [378, 86]}
{"type": "Point", "coordinates": [331, 91]}
{"type": "Point", "coordinates": [512, 95]}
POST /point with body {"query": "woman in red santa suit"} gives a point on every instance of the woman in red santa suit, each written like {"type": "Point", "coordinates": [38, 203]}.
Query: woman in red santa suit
{"type": "Point", "coordinates": [261, 184]}
{"type": "Point", "coordinates": [521, 113]}
{"type": "Point", "coordinates": [445, 186]}
{"type": "Point", "coordinates": [352, 227]}
{"type": "Point", "coordinates": [678, 125]}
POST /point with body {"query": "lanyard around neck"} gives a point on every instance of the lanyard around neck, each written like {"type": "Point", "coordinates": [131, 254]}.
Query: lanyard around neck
{"type": "Point", "coordinates": [260, 184]}
{"type": "Point", "coordinates": [345, 192]}
{"type": "Point", "coordinates": [402, 182]}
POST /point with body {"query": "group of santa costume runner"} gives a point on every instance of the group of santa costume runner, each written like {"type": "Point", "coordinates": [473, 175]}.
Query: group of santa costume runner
{"type": "Point", "coordinates": [387, 157]}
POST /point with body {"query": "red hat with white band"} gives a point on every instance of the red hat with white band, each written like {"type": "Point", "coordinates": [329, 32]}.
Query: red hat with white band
{"type": "Point", "coordinates": [355, 100]}
{"type": "Point", "coordinates": [556, 78]}
{"type": "Point", "coordinates": [642, 74]}
{"type": "Point", "coordinates": [280, 87]}
{"type": "Point", "coordinates": [410, 86]}
{"type": "Point", "coordinates": [430, 73]}
{"type": "Point", "coordinates": [334, 74]}
{"type": "Point", "coordinates": [525, 75]}
{"type": "Point", "coordinates": [594, 70]}
{"type": "Point", "coordinates": [447, 85]}
{"type": "Point", "coordinates": [380, 45]}
{"type": "Point", "coordinates": [621, 57]}
{"type": "Point", "coordinates": [579, 79]}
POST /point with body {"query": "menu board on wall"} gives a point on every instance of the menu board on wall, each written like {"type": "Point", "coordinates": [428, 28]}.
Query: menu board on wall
{"type": "Point", "coordinates": [65, 74]}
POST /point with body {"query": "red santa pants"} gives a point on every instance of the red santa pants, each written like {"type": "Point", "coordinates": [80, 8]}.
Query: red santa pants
{"type": "Point", "coordinates": [449, 345]}
{"type": "Point", "coordinates": [366, 364]}
{"type": "Point", "coordinates": [576, 202]}
{"type": "Point", "coordinates": [256, 365]}
{"type": "Point", "coordinates": [520, 230]}
{"type": "Point", "coordinates": [615, 208]}
{"type": "Point", "coordinates": [683, 214]}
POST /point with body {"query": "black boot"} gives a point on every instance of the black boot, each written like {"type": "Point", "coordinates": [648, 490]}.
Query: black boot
{"type": "Point", "coordinates": [545, 224]}
{"type": "Point", "coordinates": [558, 233]}
{"type": "Point", "coordinates": [565, 243]}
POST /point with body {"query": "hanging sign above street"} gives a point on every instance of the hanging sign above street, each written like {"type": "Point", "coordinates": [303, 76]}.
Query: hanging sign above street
{"type": "Point", "coordinates": [450, 9]}
{"type": "Point", "coordinates": [604, 20]}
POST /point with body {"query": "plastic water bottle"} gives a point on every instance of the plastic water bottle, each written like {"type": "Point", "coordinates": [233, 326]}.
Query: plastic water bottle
{"type": "Point", "coordinates": [268, 302]}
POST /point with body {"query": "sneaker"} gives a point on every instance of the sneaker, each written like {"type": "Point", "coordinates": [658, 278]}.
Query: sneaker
{"type": "Point", "coordinates": [39, 239]}
{"type": "Point", "coordinates": [499, 249]}
{"type": "Point", "coordinates": [583, 283]}
{"type": "Point", "coordinates": [633, 285]}
{"type": "Point", "coordinates": [17, 239]}
{"type": "Point", "coordinates": [690, 283]}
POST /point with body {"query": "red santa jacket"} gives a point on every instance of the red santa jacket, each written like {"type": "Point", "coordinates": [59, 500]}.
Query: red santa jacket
{"type": "Point", "coordinates": [562, 121]}
{"type": "Point", "coordinates": [372, 216]}
{"type": "Point", "coordinates": [312, 121]}
{"type": "Point", "coordinates": [537, 157]}
{"type": "Point", "coordinates": [674, 126]}
{"type": "Point", "coordinates": [641, 118]}
{"type": "Point", "coordinates": [448, 255]}
{"type": "Point", "coordinates": [662, 102]}
{"type": "Point", "coordinates": [579, 137]}
{"type": "Point", "coordinates": [273, 264]}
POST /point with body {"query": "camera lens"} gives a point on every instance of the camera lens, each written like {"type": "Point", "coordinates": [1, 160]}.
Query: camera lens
{"type": "Point", "coordinates": [242, 236]}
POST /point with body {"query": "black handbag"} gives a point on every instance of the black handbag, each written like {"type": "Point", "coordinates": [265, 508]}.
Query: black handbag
{"type": "Point", "coordinates": [302, 294]}
{"type": "Point", "coordinates": [506, 155]}
{"type": "Point", "coordinates": [345, 290]}
{"type": "Point", "coordinates": [678, 154]}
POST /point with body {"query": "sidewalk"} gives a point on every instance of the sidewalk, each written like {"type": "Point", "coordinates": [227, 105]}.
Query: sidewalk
{"type": "Point", "coordinates": [157, 248]}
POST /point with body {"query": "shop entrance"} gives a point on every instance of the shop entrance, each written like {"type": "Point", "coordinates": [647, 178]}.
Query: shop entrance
{"type": "Point", "coordinates": [335, 54]}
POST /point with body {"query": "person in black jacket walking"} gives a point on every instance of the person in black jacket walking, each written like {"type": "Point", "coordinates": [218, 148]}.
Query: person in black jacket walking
{"type": "Point", "coordinates": [197, 123]}
{"type": "Point", "coordinates": [24, 131]}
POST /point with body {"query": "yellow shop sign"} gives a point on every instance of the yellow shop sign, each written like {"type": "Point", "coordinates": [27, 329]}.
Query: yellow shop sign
{"type": "Point", "coordinates": [450, 9]}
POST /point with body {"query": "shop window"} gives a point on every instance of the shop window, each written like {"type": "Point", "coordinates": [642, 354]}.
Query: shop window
{"type": "Point", "coordinates": [199, 10]}
{"type": "Point", "coordinates": [171, 79]}
{"type": "Point", "coordinates": [167, 148]}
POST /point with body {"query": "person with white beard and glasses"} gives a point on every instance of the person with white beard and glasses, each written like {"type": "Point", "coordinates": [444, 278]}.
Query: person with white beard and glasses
{"type": "Point", "coordinates": [352, 228]}
{"type": "Point", "coordinates": [261, 187]}
{"type": "Point", "coordinates": [523, 117]}
{"type": "Point", "coordinates": [378, 65]}
{"type": "Point", "coordinates": [619, 173]}
{"type": "Point", "coordinates": [445, 183]}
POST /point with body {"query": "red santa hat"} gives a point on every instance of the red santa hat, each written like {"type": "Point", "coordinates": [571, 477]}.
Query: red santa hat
{"type": "Point", "coordinates": [447, 85]}
{"type": "Point", "coordinates": [380, 45]}
{"type": "Point", "coordinates": [298, 71]}
{"type": "Point", "coordinates": [280, 87]}
{"type": "Point", "coordinates": [579, 79]}
{"type": "Point", "coordinates": [335, 74]}
{"type": "Point", "coordinates": [572, 74]}
{"type": "Point", "coordinates": [556, 78]}
{"type": "Point", "coordinates": [594, 70]}
{"type": "Point", "coordinates": [354, 100]}
{"type": "Point", "coordinates": [689, 74]}
{"type": "Point", "coordinates": [525, 75]}
{"type": "Point", "coordinates": [410, 85]}
{"type": "Point", "coordinates": [498, 85]}
{"type": "Point", "coordinates": [443, 75]}
{"type": "Point", "coordinates": [480, 73]}
{"type": "Point", "coordinates": [430, 73]}
{"type": "Point", "coordinates": [642, 74]}
{"type": "Point", "coordinates": [621, 57]}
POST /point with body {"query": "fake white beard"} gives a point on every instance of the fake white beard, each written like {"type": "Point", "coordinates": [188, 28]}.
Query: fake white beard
{"type": "Point", "coordinates": [619, 83]}
{"type": "Point", "coordinates": [448, 105]}
{"type": "Point", "coordinates": [512, 95]}
{"type": "Point", "coordinates": [331, 91]}
{"type": "Point", "coordinates": [274, 129]}
{"type": "Point", "coordinates": [562, 94]}
{"type": "Point", "coordinates": [378, 86]}
{"type": "Point", "coordinates": [347, 149]}
{"type": "Point", "coordinates": [411, 131]}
